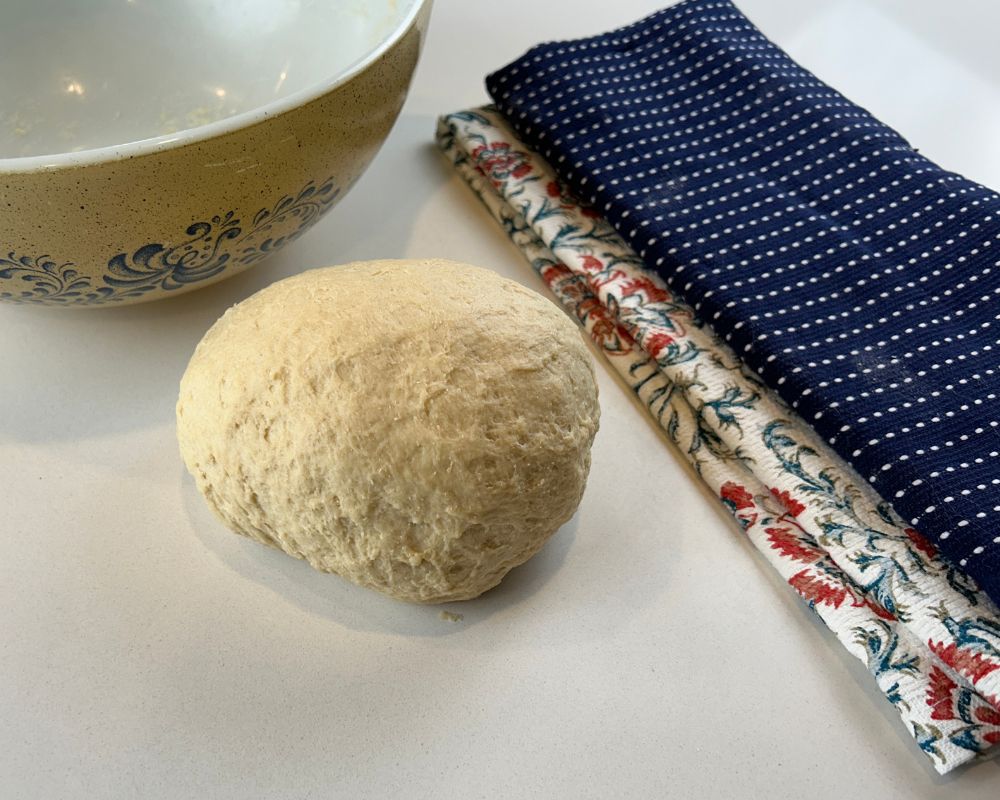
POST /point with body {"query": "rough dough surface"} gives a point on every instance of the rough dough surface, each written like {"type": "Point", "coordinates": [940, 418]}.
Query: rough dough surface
{"type": "Point", "coordinates": [418, 427]}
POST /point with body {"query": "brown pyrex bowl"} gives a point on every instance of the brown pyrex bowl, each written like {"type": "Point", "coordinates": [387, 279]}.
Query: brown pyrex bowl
{"type": "Point", "coordinates": [159, 216]}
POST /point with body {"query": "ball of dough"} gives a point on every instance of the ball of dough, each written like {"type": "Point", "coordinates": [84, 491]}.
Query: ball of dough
{"type": "Point", "coordinates": [418, 427]}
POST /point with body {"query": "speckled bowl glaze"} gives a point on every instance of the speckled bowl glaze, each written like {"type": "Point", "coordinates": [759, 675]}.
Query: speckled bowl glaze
{"type": "Point", "coordinates": [229, 154]}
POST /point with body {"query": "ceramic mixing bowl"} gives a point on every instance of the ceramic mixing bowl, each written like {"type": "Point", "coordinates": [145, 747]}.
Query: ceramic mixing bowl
{"type": "Point", "coordinates": [149, 147]}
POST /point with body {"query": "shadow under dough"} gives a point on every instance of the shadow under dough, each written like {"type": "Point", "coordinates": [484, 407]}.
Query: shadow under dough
{"type": "Point", "coordinates": [342, 602]}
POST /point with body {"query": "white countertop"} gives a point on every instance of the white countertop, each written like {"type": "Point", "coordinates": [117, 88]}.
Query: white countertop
{"type": "Point", "coordinates": [646, 652]}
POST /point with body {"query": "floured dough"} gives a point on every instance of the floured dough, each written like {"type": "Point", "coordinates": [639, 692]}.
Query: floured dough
{"type": "Point", "coordinates": [418, 427]}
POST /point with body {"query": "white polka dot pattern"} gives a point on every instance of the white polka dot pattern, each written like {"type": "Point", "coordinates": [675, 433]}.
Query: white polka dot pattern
{"type": "Point", "coordinates": [857, 277]}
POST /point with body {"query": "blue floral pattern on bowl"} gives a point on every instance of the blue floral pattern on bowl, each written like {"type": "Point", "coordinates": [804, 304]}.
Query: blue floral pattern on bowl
{"type": "Point", "coordinates": [207, 249]}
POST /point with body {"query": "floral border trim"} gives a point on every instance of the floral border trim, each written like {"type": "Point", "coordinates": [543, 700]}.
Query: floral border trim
{"type": "Point", "coordinates": [205, 250]}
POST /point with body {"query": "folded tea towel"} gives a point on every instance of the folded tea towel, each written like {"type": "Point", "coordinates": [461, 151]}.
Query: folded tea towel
{"type": "Point", "coordinates": [859, 279]}
{"type": "Point", "coordinates": [919, 624]}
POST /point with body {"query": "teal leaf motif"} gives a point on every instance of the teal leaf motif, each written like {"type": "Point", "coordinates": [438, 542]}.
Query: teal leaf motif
{"type": "Point", "coordinates": [202, 255]}
{"type": "Point", "coordinates": [887, 573]}
{"type": "Point", "coordinates": [206, 249]}
{"type": "Point", "coordinates": [884, 657]}
{"type": "Point", "coordinates": [43, 280]}
{"type": "Point", "coordinates": [927, 737]}
{"type": "Point", "coordinates": [790, 453]}
{"type": "Point", "coordinates": [705, 436]}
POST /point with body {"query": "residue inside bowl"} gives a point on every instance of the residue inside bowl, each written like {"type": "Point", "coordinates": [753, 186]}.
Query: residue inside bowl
{"type": "Point", "coordinates": [76, 76]}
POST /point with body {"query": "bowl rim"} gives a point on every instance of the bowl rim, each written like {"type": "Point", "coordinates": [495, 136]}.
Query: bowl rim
{"type": "Point", "coordinates": [245, 119]}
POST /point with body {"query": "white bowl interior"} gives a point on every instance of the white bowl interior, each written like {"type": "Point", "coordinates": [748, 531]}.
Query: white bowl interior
{"type": "Point", "coordinates": [82, 74]}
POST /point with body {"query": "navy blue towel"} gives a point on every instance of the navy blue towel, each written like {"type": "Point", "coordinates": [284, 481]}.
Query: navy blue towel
{"type": "Point", "coordinates": [857, 277]}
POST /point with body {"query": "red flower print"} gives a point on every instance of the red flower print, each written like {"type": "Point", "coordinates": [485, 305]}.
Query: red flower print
{"type": "Point", "coordinates": [589, 306]}
{"type": "Point", "coordinates": [816, 591]}
{"type": "Point", "coordinates": [606, 277]}
{"type": "Point", "coordinates": [788, 544]}
{"type": "Point", "coordinates": [567, 201]}
{"type": "Point", "coordinates": [554, 273]}
{"type": "Point", "coordinates": [605, 331]}
{"type": "Point", "coordinates": [878, 610]}
{"type": "Point", "coordinates": [498, 161]}
{"type": "Point", "coordinates": [967, 662]}
{"type": "Point", "coordinates": [736, 496]}
{"type": "Point", "coordinates": [653, 293]}
{"type": "Point", "coordinates": [922, 544]}
{"type": "Point", "coordinates": [574, 290]}
{"type": "Point", "coordinates": [939, 695]}
{"type": "Point", "coordinates": [657, 343]}
{"type": "Point", "coordinates": [790, 504]}
{"type": "Point", "coordinates": [989, 716]}
{"type": "Point", "coordinates": [591, 264]}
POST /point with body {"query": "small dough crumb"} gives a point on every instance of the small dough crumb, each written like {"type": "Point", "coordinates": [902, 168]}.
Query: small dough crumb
{"type": "Point", "coordinates": [448, 616]}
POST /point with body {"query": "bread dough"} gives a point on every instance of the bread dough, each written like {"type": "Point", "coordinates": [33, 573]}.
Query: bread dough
{"type": "Point", "coordinates": [418, 427]}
